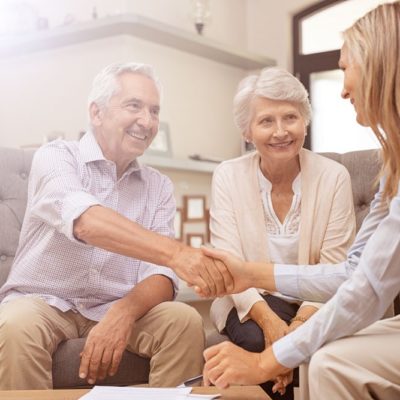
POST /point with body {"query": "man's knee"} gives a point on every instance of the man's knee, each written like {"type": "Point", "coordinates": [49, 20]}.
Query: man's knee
{"type": "Point", "coordinates": [184, 320]}
{"type": "Point", "coordinates": [19, 323]}
{"type": "Point", "coordinates": [185, 316]}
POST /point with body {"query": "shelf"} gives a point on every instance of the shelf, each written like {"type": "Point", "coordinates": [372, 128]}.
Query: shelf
{"type": "Point", "coordinates": [176, 164]}
{"type": "Point", "coordinates": [135, 25]}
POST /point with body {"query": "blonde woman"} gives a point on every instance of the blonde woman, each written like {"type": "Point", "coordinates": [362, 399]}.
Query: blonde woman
{"type": "Point", "coordinates": [282, 204]}
{"type": "Point", "coordinates": [354, 355]}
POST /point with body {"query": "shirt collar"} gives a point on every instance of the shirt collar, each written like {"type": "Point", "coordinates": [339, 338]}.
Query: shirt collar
{"type": "Point", "coordinates": [91, 151]}
{"type": "Point", "coordinates": [266, 185]}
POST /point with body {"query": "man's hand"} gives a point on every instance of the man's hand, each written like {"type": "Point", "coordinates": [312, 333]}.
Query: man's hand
{"type": "Point", "coordinates": [245, 274]}
{"type": "Point", "coordinates": [228, 364]}
{"type": "Point", "coordinates": [210, 276]}
{"type": "Point", "coordinates": [236, 268]}
{"type": "Point", "coordinates": [105, 345]}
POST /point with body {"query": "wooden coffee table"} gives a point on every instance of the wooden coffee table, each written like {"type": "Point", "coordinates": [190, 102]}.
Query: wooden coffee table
{"type": "Point", "coordinates": [233, 393]}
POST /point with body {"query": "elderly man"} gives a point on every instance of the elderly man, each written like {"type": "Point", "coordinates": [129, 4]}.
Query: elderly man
{"type": "Point", "coordinates": [95, 248]}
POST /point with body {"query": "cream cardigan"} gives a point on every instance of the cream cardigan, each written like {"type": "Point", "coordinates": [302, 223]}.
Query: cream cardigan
{"type": "Point", "coordinates": [327, 221]}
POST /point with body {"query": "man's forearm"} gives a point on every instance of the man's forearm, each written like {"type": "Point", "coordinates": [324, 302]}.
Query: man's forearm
{"type": "Point", "coordinates": [105, 228]}
{"type": "Point", "coordinates": [147, 294]}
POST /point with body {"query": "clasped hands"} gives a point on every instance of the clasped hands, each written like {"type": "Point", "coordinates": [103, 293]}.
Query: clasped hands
{"type": "Point", "coordinates": [210, 272]}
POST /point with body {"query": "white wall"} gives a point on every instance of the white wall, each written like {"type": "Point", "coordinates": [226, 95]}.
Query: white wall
{"type": "Point", "coordinates": [269, 28]}
{"type": "Point", "coordinates": [46, 91]}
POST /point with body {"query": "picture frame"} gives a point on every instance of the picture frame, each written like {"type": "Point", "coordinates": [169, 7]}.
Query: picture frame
{"type": "Point", "coordinates": [195, 240]}
{"type": "Point", "coordinates": [207, 219]}
{"type": "Point", "coordinates": [178, 226]}
{"type": "Point", "coordinates": [194, 208]}
{"type": "Point", "coordinates": [161, 144]}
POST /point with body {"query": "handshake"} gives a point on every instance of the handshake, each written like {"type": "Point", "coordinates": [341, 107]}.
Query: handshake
{"type": "Point", "coordinates": [213, 273]}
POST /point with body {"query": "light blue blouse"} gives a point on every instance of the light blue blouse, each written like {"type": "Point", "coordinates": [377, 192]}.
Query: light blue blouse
{"type": "Point", "coordinates": [359, 290]}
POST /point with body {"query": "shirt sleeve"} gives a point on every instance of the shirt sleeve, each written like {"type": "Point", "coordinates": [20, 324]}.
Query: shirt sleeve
{"type": "Point", "coordinates": [320, 282]}
{"type": "Point", "coordinates": [363, 298]}
{"type": "Point", "coordinates": [163, 223]}
{"type": "Point", "coordinates": [57, 196]}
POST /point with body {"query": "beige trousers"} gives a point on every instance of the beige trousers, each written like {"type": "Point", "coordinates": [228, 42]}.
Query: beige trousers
{"type": "Point", "coordinates": [171, 334]}
{"type": "Point", "coordinates": [363, 366]}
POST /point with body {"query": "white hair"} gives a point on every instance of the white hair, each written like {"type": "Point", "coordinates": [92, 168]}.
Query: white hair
{"type": "Point", "coordinates": [274, 84]}
{"type": "Point", "coordinates": [105, 84]}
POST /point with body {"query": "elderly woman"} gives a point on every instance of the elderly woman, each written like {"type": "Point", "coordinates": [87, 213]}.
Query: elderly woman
{"type": "Point", "coordinates": [280, 204]}
{"type": "Point", "coordinates": [354, 355]}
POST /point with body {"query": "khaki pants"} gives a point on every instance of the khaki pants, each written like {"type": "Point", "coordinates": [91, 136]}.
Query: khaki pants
{"type": "Point", "coordinates": [171, 334]}
{"type": "Point", "coordinates": [363, 366]}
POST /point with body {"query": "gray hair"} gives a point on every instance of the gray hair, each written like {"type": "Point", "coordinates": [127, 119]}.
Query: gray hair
{"type": "Point", "coordinates": [274, 84]}
{"type": "Point", "coordinates": [105, 84]}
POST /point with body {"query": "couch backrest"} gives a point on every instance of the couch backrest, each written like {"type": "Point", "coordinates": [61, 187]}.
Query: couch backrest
{"type": "Point", "coordinates": [363, 166]}
{"type": "Point", "coordinates": [15, 165]}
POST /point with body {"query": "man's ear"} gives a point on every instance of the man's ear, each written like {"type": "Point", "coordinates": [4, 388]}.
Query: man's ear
{"type": "Point", "coordinates": [96, 114]}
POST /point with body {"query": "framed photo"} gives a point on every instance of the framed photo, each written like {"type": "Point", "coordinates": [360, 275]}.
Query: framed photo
{"type": "Point", "coordinates": [178, 224]}
{"type": "Point", "coordinates": [195, 239]}
{"type": "Point", "coordinates": [194, 208]}
{"type": "Point", "coordinates": [161, 144]}
{"type": "Point", "coordinates": [208, 234]}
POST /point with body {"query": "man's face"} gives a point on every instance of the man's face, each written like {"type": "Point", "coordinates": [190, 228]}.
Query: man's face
{"type": "Point", "coordinates": [129, 122]}
{"type": "Point", "coordinates": [350, 82]}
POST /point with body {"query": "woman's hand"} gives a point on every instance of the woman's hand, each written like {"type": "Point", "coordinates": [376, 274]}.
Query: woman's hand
{"type": "Point", "coordinates": [228, 364]}
{"type": "Point", "coordinates": [273, 328]}
{"type": "Point", "coordinates": [236, 267]}
{"type": "Point", "coordinates": [281, 382]}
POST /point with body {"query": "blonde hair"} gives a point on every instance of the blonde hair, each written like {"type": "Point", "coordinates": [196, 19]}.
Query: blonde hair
{"type": "Point", "coordinates": [373, 43]}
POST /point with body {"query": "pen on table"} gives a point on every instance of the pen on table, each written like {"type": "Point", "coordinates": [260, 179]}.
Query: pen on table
{"type": "Point", "coordinates": [192, 381]}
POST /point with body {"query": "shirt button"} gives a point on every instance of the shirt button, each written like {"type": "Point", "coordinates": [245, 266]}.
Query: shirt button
{"type": "Point", "coordinates": [81, 306]}
{"type": "Point", "coordinates": [3, 257]}
{"type": "Point", "coordinates": [23, 175]}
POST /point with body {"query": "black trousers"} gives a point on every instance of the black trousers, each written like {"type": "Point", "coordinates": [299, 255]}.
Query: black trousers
{"type": "Point", "coordinates": [250, 337]}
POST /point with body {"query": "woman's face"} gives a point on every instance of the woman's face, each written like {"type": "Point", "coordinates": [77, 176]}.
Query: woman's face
{"type": "Point", "coordinates": [277, 129]}
{"type": "Point", "coordinates": [350, 83]}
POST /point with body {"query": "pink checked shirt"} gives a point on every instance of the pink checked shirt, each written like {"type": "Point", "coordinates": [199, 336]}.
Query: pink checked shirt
{"type": "Point", "coordinates": [66, 179]}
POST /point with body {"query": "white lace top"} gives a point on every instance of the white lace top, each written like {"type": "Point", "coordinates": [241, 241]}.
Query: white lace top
{"type": "Point", "coordinates": [283, 238]}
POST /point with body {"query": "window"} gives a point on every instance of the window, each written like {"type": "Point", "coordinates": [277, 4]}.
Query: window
{"type": "Point", "coordinates": [316, 43]}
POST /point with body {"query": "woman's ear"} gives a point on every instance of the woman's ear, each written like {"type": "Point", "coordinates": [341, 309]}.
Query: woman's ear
{"type": "Point", "coordinates": [247, 137]}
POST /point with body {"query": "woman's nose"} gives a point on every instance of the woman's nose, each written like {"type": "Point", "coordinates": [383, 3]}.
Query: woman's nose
{"type": "Point", "coordinates": [344, 93]}
{"type": "Point", "coordinates": [280, 130]}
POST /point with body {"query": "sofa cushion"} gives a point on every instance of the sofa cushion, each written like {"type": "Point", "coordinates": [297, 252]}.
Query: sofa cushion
{"type": "Point", "coordinates": [15, 166]}
{"type": "Point", "coordinates": [363, 167]}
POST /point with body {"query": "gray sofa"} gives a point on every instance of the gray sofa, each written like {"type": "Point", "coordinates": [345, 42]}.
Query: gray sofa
{"type": "Point", "coordinates": [14, 171]}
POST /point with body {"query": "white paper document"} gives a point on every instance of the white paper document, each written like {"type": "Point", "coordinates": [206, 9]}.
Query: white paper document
{"type": "Point", "coordinates": [139, 393]}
